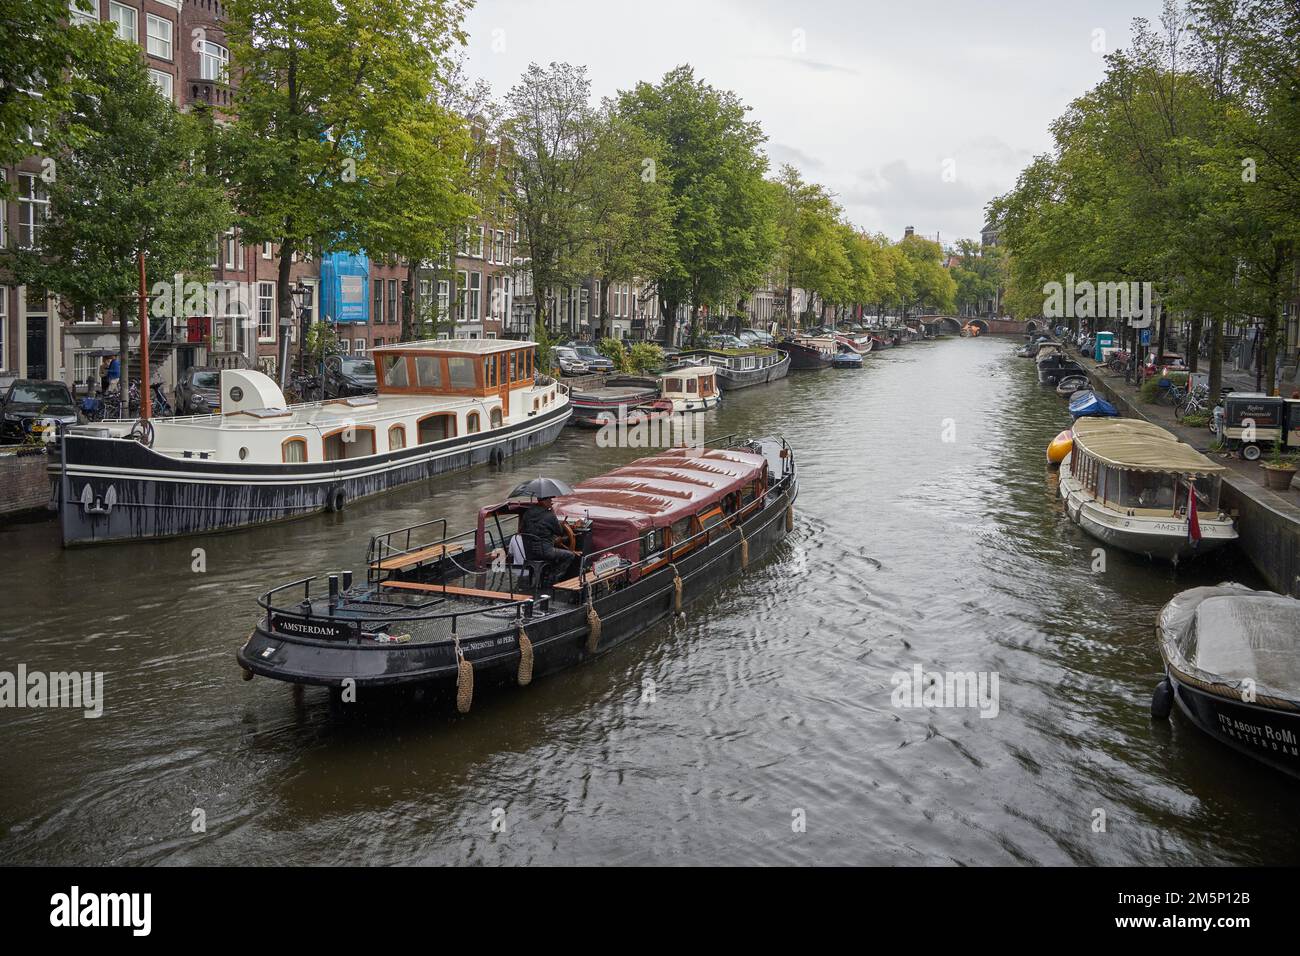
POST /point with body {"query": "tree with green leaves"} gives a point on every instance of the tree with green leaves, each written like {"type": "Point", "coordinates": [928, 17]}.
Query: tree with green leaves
{"type": "Point", "coordinates": [128, 184]}
{"type": "Point", "coordinates": [811, 254]}
{"type": "Point", "coordinates": [725, 217]}
{"type": "Point", "coordinates": [47, 67]}
{"type": "Point", "coordinates": [339, 141]}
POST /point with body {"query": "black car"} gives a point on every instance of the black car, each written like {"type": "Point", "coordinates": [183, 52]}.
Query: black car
{"type": "Point", "coordinates": [349, 375]}
{"type": "Point", "coordinates": [199, 391]}
{"type": "Point", "coordinates": [30, 407]}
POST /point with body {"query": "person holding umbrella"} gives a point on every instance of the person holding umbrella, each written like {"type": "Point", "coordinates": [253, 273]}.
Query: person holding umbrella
{"type": "Point", "coordinates": [539, 527]}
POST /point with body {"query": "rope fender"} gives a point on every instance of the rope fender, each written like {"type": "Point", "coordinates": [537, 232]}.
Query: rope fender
{"type": "Point", "coordinates": [789, 518]}
{"type": "Point", "coordinates": [744, 550]}
{"type": "Point", "coordinates": [464, 682]}
{"type": "Point", "coordinates": [677, 589]}
{"type": "Point", "coordinates": [525, 676]}
{"type": "Point", "coordinates": [593, 622]}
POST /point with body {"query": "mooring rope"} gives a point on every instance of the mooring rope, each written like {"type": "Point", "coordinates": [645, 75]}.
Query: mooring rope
{"type": "Point", "coordinates": [677, 589]}
{"type": "Point", "coordinates": [525, 676]}
{"type": "Point", "coordinates": [593, 623]}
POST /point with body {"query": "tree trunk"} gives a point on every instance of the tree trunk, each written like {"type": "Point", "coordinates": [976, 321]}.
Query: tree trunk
{"type": "Point", "coordinates": [284, 307]}
{"type": "Point", "coordinates": [408, 300]}
{"type": "Point", "coordinates": [1216, 356]}
{"type": "Point", "coordinates": [123, 352]}
{"type": "Point", "coordinates": [1193, 348]}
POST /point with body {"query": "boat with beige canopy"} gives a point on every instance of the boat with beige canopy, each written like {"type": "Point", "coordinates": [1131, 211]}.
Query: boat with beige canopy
{"type": "Point", "coordinates": [1133, 485]}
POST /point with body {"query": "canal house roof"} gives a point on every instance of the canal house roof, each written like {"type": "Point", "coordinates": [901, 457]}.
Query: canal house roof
{"type": "Point", "coordinates": [657, 491]}
{"type": "Point", "coordinates": [1136, 445]}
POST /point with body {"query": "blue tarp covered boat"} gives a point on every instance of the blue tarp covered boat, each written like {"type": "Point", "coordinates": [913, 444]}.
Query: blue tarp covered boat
{"type": "Point", "coordinates": [1087, 404]}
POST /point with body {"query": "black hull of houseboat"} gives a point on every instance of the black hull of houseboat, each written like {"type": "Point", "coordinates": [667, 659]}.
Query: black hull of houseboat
{"type": "Point", "coordinates": [559, 640]}
{"type": "Point", "coordinates": [1270, 735]}
{"type": "Point", "coordinates": [729, 379]}
{"type": "Point", "coordinates": [155, 496]}
{"type": "Point", "coordinates": [804, 358]}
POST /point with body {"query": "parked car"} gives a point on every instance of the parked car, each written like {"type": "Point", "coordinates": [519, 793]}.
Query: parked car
{"type": "Point", "coordinates": [199, 391]}
{"type": "Point", "coordinates": [30, 407]}
{"type": "Point", "coordinates": [569, 362]}
{"type": "Point", "coordinates": [760, 337]}
{"type": "Point", "coordinates": [1165, 363]}
{"type": "Point", "coordinates": [594, 360]}
{"type": "Point", "coordinates": [349, 375]}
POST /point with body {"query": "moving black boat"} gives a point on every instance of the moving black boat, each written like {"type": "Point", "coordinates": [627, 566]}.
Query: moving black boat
{"type": "Point", "coordinates": [458, 611]}
{"type": "Point", "coordinates": [1233, 666]}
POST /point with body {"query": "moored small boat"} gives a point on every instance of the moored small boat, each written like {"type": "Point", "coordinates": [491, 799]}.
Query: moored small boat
{"type": "Point", "coordinates": [1086, 403]}
{"type": "Point", "coordinates": [458, 612]}
{"type": "Point", "coordinates": [627, 415]}
{"type": "Point", "coordinates": [1232, 664]}
{"type": "Point", "coordinates": [847, 360]}
{"type": "Point", "coordinates": [1133, 485]}
{"type": "Point", "coordinates": [690, 388]}
{"type": "Point", "coordinates": [808, 354]}
{"type": "Point", "coordinates": [741, 368]}
{"type": "Point", "coordinates": [614, 392]}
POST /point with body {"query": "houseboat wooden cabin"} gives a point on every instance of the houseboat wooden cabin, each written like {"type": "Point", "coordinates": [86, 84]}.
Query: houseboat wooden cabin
{"type": "Point", "coordinates": [691, 388]}
{"type": "Point", "coordinates": [1134, 485]}
{"type": "Point", "coordinates": [455, 612]}
{"type": "Point", "coordinates": [441, 406]}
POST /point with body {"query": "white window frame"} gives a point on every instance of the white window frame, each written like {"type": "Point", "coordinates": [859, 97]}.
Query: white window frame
{"type": "Point", "coordinates": [360, 348]}
{"type": "Point", "coordinates": [345, 346]}
{"type": "Point", "coordinates": [4, 324]}
{"type": "Point", "coordinates": [213, 61]}
{"type": "Point", "coordinates": [79, 376]}
{"type": "Point", "coordinates": [164, 42]}
{"type": "Point", "coordinates": [265, 308]}
{"type": "Point", "coordinates": [115, 9]}
{"type": "Point", "coordinates": [444, 299]}
{"type": "Point", "coordinates": [474, 294]}
{"type": "Point", "coordinates": [266, 250]}
{"type": "Point", "coordinates": [165, 82]}
{"type": "Point", "coordinates": [27, 218]}
{"type": "Point", "coordinates": [77, 16]}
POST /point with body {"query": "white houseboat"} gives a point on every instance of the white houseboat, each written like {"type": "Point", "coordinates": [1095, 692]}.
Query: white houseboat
{"type": "Point", "coordinates": [1133, 485]}
{"type": "Point", "coordinates": [442, 406]}
{"type": "Point", "coordinates": [691, 388]}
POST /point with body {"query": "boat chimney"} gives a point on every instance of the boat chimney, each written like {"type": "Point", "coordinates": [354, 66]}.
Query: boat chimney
{"type": "Point", "coordinates": [334, 592]}
{"type": "Point", "coordinates": [347, 580]}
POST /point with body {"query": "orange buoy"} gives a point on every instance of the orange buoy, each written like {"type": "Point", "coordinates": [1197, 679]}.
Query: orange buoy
{"type": "Point", "coordinates": [1060, 447]}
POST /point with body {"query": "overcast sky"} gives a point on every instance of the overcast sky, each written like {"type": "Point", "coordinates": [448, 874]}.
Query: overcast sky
{"type": "Point", "coordinates": [869, 98]}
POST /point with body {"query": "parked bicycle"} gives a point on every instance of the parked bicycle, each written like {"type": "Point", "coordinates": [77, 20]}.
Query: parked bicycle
{"type": "Point", "coordinates": [1195, 403]}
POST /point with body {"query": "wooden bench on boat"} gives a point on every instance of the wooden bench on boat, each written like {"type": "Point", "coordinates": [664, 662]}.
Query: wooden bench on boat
{"type": "Point", "coordinates": [454, 590]}
{"type": "Point", "coordinates": [409, 559]}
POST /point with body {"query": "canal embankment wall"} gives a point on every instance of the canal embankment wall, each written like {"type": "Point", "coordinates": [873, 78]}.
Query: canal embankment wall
{"type": "Point", "coordinates": [24, 487]}
{"type": "Point", "coordinates": [1268, 527]}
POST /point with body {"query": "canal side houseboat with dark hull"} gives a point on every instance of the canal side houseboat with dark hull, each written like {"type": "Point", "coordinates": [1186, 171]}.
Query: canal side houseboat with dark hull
{"type": "Point", "coordinates": [741, 368]}
{"type": "Point", "coordinates": [458, 612]}
{"type": "Point", "coordinates": [442, 406]}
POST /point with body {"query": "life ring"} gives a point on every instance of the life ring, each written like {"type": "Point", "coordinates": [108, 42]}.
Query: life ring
{"type": "Point", "coordinates": [336, 499]}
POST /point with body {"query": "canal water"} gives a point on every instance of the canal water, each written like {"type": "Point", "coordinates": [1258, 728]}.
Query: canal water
{"type": "Point", "coordinates": [760, 729]}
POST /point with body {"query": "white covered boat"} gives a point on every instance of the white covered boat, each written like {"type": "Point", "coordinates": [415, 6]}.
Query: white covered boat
{"type": "Point", "coordinates": [691, 388]}
{"type": "Point", "coordinates": [1133, 485]}
{"type": "Point", "coordinates": [442, 406]}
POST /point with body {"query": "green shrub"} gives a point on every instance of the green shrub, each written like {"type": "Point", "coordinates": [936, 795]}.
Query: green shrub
{"type": "Point", "coordinates": [1197, 419]}
{"type": "Point", "coordinates": [613, 350]}
{"type": "Point", "coordinates": [645, 357]}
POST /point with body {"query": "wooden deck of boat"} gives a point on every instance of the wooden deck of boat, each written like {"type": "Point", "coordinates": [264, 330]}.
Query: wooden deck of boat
{"type": "Point", "coordinates": [454, 590]}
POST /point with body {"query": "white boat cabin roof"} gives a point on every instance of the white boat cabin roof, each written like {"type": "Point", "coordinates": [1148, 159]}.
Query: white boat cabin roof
{"type": "Point", "coordinates": [459, 346]}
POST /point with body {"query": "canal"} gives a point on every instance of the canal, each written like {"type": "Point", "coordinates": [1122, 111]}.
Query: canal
{"type": "Point", "coordinates": [760, 729]}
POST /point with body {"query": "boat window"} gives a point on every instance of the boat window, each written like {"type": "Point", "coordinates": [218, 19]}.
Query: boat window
{"type": "Point", "coordinates": [490, 371]}
{"type": "Point", "coordinates": [652, 542]}
{"type": "Point", "coordinates": [395, 371]}
{"type": "Point", "coordinates": [691, 385]}
{"type": "Point", "coordinates": [530, 364]}
{"type": "Point", "coordinates": [495, 417]}
{"type": "Point", "coordinates": [461, 372]}
{"type": "Point", "coordinates": [294, 450]}
{"type": "Point", "coordinates": [472, 423]}
{"type": "Point", "coordinates": [514, 367]}
{"type": "Point", "coordinates": [1207, 494]}
{"type": "Point", "coordinates": [1144, 489]}
{"type": "Point", "coordinates": [681, 530]}
{"type": "Point", "coordinates": [672, 385]}
{"type": "Point", "coordinates": [350, 442]}
{"type": "Point", "coordinates": [712, 518]}
{"type": "Point", "coordinates": [396, 437]}
{"type": "Point", "coordinates": [437, 427]}
{"type": "Point", "coordinates": [428, 371]}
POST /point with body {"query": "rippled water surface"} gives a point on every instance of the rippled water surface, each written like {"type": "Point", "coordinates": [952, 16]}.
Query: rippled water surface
{"type": "Point", "coordinates": [772, 699]}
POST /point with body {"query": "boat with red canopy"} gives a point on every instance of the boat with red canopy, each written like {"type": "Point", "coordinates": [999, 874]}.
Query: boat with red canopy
{"type": "Point", "coordinates": [460, 611]}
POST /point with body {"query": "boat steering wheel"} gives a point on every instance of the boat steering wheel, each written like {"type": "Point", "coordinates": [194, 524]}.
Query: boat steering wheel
{"type": "Point", "coordinates": [568, 539]}
{"type": "Point", "coordinates": [142, 431]}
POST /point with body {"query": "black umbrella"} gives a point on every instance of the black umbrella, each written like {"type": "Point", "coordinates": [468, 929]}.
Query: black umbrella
{"type": "Point", "coordinates": [541, 488]}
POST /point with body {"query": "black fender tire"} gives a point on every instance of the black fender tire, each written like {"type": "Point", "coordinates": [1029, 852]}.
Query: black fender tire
{"type": "Point", "coordinates": [336, 500]}
{"type": "Point", "coordinates": [1162, 700]}
{"type": "Point", "coordinates": [1251, 451]}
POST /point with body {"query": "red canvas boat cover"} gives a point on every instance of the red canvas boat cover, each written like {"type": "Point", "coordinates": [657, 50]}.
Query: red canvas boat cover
{"type": "Point", "coordinates": [657, 491]}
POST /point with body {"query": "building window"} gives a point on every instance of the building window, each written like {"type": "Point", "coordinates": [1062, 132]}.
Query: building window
{"type": "Point", "coordinates": [234, 251]}
{"type": "Point", "coordinates": [392, 300]}
{"type": "Point", "coordinates": [4, 323]}
{"type": "Point", "coordinates": [160, 37]}
{"type": "Point", "coordinates": [378, 310]}
{"type": "Point", "coordinates": [213, 60]}
{"type": "Point", "coordinates": [33, 209]}
{"type": "Point", "coordinates": [266, 311]}
{"type": "Point", "coordinates": [4, 220]}
{"type": "Point", "coordinates": [361, 347]}
{"type": "Point", "coordinates": [80, 16]}
{"type": "Point", "coordinates": [473, 298]}
{"type": "Point", "coordinates": [125, 19]}
{"type": "Point", "coordinates": [85, 365]}
{"type": "Point", "coordinates": [499, 247]}
{"type": "Point", "coordinates": [444, 299]}
{"type": "Point", "coordinates": [343, 345]}
{"type": "Point", "coordinates": [164, 83]}
{"type": "Point", "coordinates": [266, 250]}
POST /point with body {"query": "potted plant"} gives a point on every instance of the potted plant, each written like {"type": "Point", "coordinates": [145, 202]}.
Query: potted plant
{"type": "Point", "coordinates": [1278, 470]}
